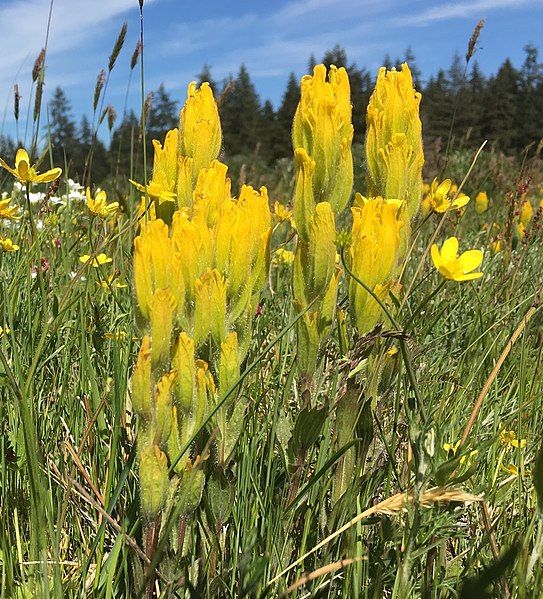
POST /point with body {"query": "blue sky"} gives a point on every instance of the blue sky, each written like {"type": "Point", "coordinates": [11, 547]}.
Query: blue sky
{"type": "Point", "coordinates": [271, 38]}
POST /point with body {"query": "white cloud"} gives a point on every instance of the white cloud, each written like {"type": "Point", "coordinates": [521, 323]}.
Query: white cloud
{"type": "Point", "coordinates": [453, 10]}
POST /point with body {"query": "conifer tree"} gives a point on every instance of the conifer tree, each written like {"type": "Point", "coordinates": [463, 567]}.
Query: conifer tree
{"type": "Point", "coordinates": [240, 116]}
{"type": "Point", "coordinates": [285, 115]}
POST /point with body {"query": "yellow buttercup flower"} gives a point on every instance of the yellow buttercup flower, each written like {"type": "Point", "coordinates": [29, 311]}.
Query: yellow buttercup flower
{"type": "Point", "coordinates": [442, 197]}
{"type": "Point", "coordinates": [26, 173]}
{"type": "Point", "coordinates": [282, 256]}
{"type": "Point", "coordinates": [394, 149]}
{"type": "Point", "coordinates": [452, 448]}
{"type": "Point", "coordinates": [281, 212]}
{"type": "Point", "coordinates": [455, 267]}
{"type": "Point", "coordinates": [99, 206]}
{"type": "Point", "coordinates": [481, 202]}
{"type": "Point", "coordinates": [112, 282]}
{"type": "Point", "coordinates": [322, 127]}
{"type": "Point", "coordinates": [8, 211]}
{"type": "Point", "coordinates": [4, 331]}
{"type": "Point", "coordinates": [509, 439]}
{"type": "Point", "coordinates": [6, 245]}
{"type": "Point", "coordinates": [97, 261]}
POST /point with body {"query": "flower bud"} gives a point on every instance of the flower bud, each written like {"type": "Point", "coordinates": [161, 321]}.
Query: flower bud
{"type": "Point", "coordinates": [141, 382]}
{"type": "Point", "coordinates": [163, 408]}
{"type": "Point", "coordinates": [229, 364]}
{"type": "Point", "coordinates": [161, 314]}
{"type": "Point", "coordinates": [211, 191]}
{"type": "Point", "coordinates": [154, 482]}
{"type": "Point", "coordinates": [210, 307]}
{"type": "Point", "coordinates": [184, 362]}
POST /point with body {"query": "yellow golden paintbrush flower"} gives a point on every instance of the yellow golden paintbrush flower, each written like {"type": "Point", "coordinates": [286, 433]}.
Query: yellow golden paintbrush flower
{"type": "Point", "coordinates": [99, 206]}
{"type": "Point", "coordinates": [455, 267]}
{"type": "Point", "coordinates": [26, 173]}
{"type": "Point", "coordinates": [200, 127]}
{"type": "Point", "coordinates": [372, 256]}
{"type": "Point", "coordinates": [6, 245]}
{"type": "Point", "coordinates": [481, 202]}
{"type": "Point", "coordinates": [442, 197]}
{"type": "Point", "coordinates": [394, 150]}
{"type": "Point", "coordinates": [97, 261]}
{"type": "Point", "coordinates": [322, 127]}
{"type": "Point", "coordinates": [8, 211]}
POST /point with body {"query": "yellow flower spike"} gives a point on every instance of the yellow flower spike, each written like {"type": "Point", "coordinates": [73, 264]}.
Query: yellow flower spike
{"type": "Point", "coordinates": [99, 206]}
{"type": "Point", "coordinates": [442, 197]}
{"type": "Point", "coordinates": [322, 127]}
{"type": "Point", "coordinates": [481, 202]}
{"type": "Point", "coordinates": [394, 150]}
{"type": "Point", "coordinates": [210, 307]}
{"type": "Point", "coordinates": [211, 191]}
{"type": "Point", "coordinates": [526, 213]}
{"type": "Point", "coordinates": [28, 174]}
{"type": "Point", "coordinates": [97, 261]}
{"type": "Point", "coordinates": [455, 267]}
{"type": "Point", "coordinates": [141, 382]}
{"type": "Point", "coordinates": [184, 362]}
{"type": "Point", "coordinates": [200, 127]}
{"type": "Point", "coordinates": [4, 331]}
{"type": "Point", "coordinates": [161, 313]}
{"type": "Point", "coordinates": [8, 211]}
{"type": "Point", "coordinates": [6, 245]}
{"type": "Point", "coordinates": [163, 408]}
{"type": "Point", "coordinates": [372, 256]}
{"type": "Point", "coordinates": [154, 481]}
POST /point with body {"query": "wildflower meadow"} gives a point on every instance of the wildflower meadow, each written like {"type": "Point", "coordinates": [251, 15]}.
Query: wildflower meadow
{"type": "Point", "coordinates": [317, 378]}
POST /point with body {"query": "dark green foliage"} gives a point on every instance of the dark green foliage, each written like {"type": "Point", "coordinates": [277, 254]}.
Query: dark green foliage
{"type": "Point", "coordinates": [240, 115]}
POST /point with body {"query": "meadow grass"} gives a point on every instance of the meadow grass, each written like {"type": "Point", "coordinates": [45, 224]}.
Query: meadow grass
{"type": "Point", "coordinates": [363, 494]}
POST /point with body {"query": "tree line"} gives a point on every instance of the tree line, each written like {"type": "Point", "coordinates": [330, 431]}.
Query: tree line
{"type": "Point", "coordinates": [461, 105]}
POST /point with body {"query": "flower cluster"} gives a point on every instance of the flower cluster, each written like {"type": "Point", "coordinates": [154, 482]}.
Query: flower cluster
{"type": "Point", "coordinates": [198, 271]}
